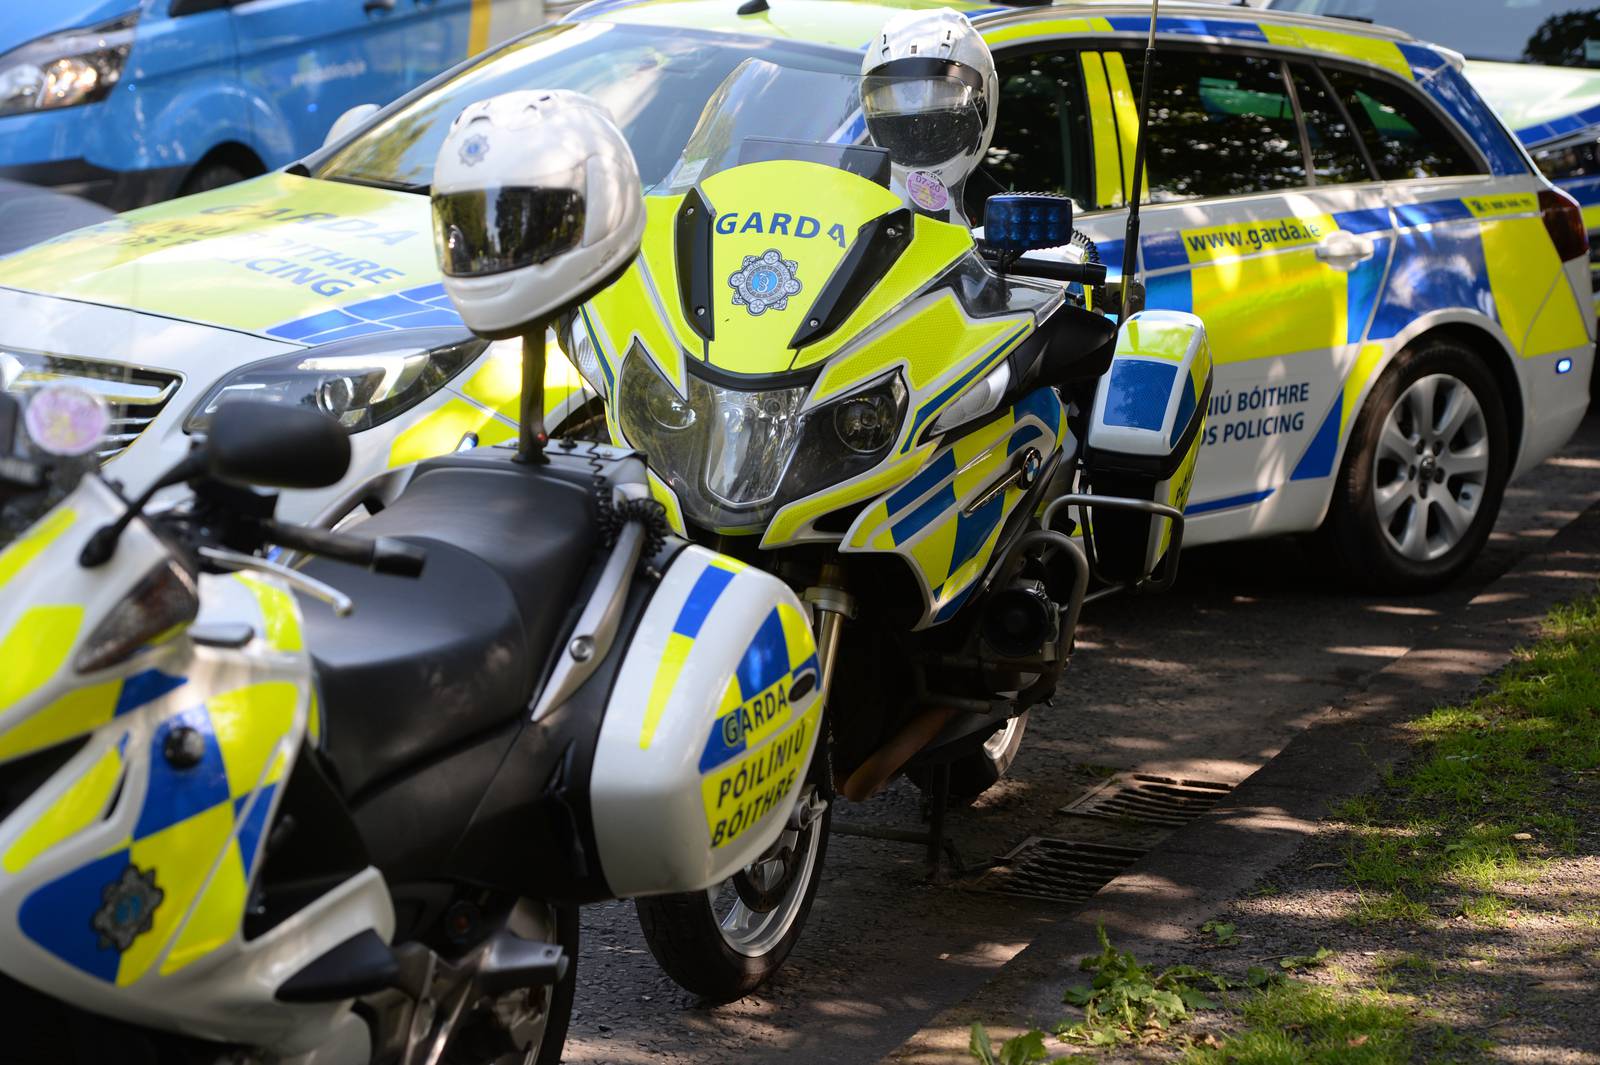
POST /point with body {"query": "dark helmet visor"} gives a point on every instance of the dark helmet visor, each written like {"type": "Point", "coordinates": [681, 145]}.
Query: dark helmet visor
{"type": "Point", "coordinates": [490, 231]}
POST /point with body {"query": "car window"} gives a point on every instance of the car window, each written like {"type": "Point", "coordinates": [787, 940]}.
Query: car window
{"type": "Point", "coordinates": [1220, 125]}
{"type": "Point", "coordinates": [1403, 136]}
{"type": "Point", "coordinates": [655, 85]}
{"type": "Point", "coordinates": [1335, 155]}
{"type": "Point", "coordinates": [1041, 136]}
{"type": "Point", "coordinates": [1563, 33]}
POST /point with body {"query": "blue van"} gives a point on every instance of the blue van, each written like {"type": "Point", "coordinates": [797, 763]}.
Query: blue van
{"type": "Point", "coordinates": [132, 101]}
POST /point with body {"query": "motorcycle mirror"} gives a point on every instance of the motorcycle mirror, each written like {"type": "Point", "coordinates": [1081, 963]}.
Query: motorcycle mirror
{"type": "Point", "coordinates": [268, 446]}
{"type": "Point", "coordinates": [346, 123]}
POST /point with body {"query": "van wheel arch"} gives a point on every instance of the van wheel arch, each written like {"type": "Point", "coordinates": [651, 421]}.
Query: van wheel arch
{"type": "Point", "coordinates": [222, 165]}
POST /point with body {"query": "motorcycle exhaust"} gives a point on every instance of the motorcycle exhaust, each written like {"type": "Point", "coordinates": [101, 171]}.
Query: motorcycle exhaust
{"type": "Point", "coordinates": [880, 767]}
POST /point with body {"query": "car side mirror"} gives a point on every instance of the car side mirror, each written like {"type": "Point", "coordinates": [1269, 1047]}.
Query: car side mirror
{"type": "Point", "coordinates": [346, 123]}
{"type": "Point", "coordinates": [1019, 222]}
{"type": "Point", "coordinates": [270, 446]}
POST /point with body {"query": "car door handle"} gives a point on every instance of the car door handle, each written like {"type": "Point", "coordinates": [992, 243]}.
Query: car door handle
{"type": "Point", "coordinates": [1344, 250]}
{"type": "Point", "coordinates": [378, 7]}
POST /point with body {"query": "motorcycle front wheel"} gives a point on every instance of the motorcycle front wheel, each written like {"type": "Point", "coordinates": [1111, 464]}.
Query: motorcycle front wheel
{"type": "Point", "coordinates": [724, 942]}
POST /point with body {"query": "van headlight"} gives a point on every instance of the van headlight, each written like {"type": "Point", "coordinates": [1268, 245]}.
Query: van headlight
{"type": "Point", "coordinates": [65, 69]}
{"type": "Point", "coordinates": [362, 382]}
{"type": "Point", "coordinates": [735, 457]}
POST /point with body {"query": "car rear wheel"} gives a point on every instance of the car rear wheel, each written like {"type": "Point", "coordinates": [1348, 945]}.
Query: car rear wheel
{"type": "Point", "coordinates": [1424, 474]}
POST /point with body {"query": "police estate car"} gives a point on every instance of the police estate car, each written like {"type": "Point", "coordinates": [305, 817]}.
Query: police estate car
{"type": "Point", "coordinates": [1396, 299]}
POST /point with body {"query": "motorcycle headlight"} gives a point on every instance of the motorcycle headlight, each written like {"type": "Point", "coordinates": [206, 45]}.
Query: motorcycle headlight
{"type": "Point", "coordinates": [362, 382]}
{"type": "Point", "coordinates": [735, 457]}
{"type": "Point", "coordinates": [65, 69]}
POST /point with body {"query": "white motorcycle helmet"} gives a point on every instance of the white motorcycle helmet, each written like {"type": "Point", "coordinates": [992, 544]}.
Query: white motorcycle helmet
{"type": "Point", "coordinates": [537, 205]}
{"type": "Point", "coordinates": [930, 95]}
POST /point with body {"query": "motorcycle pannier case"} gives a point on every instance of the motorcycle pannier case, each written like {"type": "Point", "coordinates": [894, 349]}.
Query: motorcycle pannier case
{"type": "Point", "coordinates": [1144, 436]}
{"type": "Point", "coordinates": [709, 730]}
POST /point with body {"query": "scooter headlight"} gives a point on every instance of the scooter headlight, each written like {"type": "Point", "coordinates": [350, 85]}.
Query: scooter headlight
{"type": "Point", "coordinates": [362, 383]}
{"type": "Point", "coordinates": [65, 69]}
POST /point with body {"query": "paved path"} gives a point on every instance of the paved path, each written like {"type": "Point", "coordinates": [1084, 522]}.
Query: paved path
{"type": "Point", "coordinates": [1208, 683]}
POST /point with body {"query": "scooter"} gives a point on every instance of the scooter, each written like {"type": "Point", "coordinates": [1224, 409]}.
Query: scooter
{"type": "Point", "coordinates": [343, 813]}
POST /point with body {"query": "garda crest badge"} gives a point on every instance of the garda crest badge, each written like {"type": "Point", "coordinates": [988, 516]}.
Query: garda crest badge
{"type": "Point", "coordinates": [765, 281]}
{"type": "Point", "coordinates": [128, 909]}
{"type": "Point", "coordinates": [474, 148]}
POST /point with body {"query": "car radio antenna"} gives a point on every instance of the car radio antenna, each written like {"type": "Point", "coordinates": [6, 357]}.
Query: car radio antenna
{"type": "Point", "coordinates": [1132, 289]}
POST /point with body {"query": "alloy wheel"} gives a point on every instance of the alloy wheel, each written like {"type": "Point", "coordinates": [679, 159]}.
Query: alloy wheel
{"type": "Point", "coordinates": [1431, 467]}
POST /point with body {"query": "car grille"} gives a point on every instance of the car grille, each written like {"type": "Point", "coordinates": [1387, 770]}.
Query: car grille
{"type": "Point", "coordinates": [136, 395]}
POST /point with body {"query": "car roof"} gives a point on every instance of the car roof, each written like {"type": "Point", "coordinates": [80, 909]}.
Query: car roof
{"type": "Point", "coordinates": [852, 23]}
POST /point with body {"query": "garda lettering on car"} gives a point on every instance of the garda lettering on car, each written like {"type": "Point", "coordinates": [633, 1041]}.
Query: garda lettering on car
{"type": "Point", "coordinates": [781, 224]}
{"type": "Point", "coordinates": [757, 747]}
{"type": "Point", "coordinates": [1251, 238]}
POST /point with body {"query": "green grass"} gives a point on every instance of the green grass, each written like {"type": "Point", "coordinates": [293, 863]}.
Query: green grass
{"type": "Point", "coordinates": [1489, 797]}
{"type": "Point", "coordinates": [1292, 1023]}
{"type": "Point", "coordinates": [1495, 790]}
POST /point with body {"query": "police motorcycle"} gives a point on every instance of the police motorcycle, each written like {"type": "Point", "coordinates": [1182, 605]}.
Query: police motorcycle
{"type": "Point", "coordinates": [239, 826]}
{"type": "Point", "coordinates": [833, 381]}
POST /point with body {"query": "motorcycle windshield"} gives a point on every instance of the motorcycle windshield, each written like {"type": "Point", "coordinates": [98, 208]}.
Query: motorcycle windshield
{"type": "Point", "coordinates": [794, 217]}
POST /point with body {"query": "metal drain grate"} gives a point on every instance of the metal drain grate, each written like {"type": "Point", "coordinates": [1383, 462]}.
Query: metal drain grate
{"type": "Point", "coordinates": [1058, 870]}
{"type": "Point", "coordinates": [1149, 800]}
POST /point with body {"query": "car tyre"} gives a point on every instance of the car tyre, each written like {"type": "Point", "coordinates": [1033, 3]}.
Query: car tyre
{"type": "Point", "coordinates": [1424, 473]}
{"type": "Point", "coordinates": [208, 176]}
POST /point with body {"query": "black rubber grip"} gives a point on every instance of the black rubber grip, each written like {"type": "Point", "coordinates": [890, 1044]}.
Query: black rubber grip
{"type": "Point", "coordinates": [397, 558]}
{"type": "Point", "coordinates": [1091, 274]}
{"type": "Point", "coordinates": [383, 555]}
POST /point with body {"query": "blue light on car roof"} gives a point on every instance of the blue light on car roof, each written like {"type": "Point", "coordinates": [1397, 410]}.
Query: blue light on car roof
{"type": "Point", "coordinates": [1564, 366]}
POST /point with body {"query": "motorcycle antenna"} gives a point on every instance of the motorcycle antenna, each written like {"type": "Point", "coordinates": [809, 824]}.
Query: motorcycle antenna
{"type": "Point", "coordinates": [1132, 289]}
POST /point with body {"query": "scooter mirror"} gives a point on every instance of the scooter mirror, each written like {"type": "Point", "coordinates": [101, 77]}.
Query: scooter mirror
{"type": "Point", "coordinates": [269, 446]}
{"type": "Point", "coordinates": [346, 123]}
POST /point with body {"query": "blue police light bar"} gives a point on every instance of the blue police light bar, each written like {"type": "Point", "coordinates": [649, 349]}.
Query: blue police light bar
{"type": "Point", "coordinates": [1564, 366]}
{"type": "Point", "coordinates": [1014, 223]}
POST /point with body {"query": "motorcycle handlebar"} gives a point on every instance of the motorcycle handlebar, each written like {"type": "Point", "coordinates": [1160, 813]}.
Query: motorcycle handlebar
{"type": "Point", "coordinates": [383, 555]}
{"type": "Point", "coordinates": [1091, 274]}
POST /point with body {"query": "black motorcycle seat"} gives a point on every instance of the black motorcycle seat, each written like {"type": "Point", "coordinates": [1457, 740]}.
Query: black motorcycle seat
{"type": "Point", "coordinates": [426, 663]}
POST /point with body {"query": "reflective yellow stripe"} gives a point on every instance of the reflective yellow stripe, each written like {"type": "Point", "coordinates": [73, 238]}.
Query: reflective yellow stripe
{"type": "Point", "coordinates": [1356, 382]}
{"type": "Point", "coordinates": [35, 649]}
{"type": "Point", "coordinates": [250, 723]}
{"type": "Point", "coordinates": [1127, 121]}
{"type": "Point", "coordinates": [16, 557]}
{"type": "Point", "coordinates": [1108, 185]}
{"type": "Point", "coordinates": [278, 614]}
{"type": "Point", "coordinates": [215, 918]}
{"type": "Point", "coordinates": [1156, 339]}
{"type": "Point", "coordinates": [673, 656]}
{"type": "Point", "coordinates": [183, 856]}
{"type": "Point", "coordinates": [669, 501]}
{"type": "Point", "coordinates": [478, 30]}
{"type": "Point", "coordinates": [78, 711]}
{"type": "Point", "coordinates": [1045, 28]}
{"type": "Point", "coordinates": [442, 431]}
{"type": "Point", "coordinates": [1372, 50]}
{"type": "Point", "coordinates": [81, 805]}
